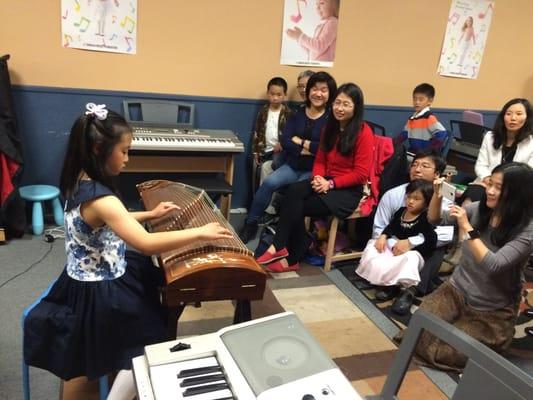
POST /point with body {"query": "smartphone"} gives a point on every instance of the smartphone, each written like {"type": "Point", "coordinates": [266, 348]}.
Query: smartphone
{"type": "Point", "coordinates": [448, 191]}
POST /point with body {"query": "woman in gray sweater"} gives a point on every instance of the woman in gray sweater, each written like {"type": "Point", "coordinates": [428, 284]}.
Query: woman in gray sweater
{"type": "Point", "coordinates": [483, 294]}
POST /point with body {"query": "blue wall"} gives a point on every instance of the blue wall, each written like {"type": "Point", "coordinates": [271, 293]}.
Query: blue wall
{"type": "Point", "coordinates": [45, 116]}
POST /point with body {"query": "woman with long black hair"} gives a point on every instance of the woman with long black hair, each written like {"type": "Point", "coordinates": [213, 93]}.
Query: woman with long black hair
{"type": "Point", "coordinates": [341, 167]}
{"type": "Point", "coordinates": [483, 294]}
{"type": "Point", "coordinates": [510, 140]}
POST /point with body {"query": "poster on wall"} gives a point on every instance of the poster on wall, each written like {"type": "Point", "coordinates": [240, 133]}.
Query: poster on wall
{"type": "Point", "coordinates": [465, 39]}
{"type": "Point", "coordinates": [309, 32]}
{"type": "Point", "coordinates": [100, 25]}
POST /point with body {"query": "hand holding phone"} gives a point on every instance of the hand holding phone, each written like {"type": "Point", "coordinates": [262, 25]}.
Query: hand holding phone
{"type": "Point", "coordinates": [448, 191]}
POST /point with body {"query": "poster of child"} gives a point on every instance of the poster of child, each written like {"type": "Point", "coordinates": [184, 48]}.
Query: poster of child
{"type": "Point", "coordinates": [465, 39]}
{"type": "Point", "coordinates": [309, 34]}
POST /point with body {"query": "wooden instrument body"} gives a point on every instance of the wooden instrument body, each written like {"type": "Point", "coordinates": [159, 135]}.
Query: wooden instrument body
{"type": "Point", "coordinates": [203, 271]}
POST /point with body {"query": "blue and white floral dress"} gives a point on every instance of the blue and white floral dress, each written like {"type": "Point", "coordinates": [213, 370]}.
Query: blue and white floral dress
{"type": "Point", "coordinates": [103, 309]}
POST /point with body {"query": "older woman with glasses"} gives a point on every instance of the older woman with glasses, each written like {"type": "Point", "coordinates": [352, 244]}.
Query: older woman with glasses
{"type": "Point", "coordinates": [303, 77]}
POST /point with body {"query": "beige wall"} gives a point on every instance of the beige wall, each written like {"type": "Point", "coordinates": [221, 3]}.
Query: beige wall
{"type": "Point", "coordinates": [231, 48]}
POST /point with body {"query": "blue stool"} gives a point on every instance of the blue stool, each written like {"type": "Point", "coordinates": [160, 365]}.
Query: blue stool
{"type": "Point", "coordinates": [103, 384]}
{"type": "Point", "coordinates": [37, 194]}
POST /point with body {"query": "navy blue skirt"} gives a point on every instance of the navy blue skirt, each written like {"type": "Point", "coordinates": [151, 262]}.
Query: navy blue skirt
{"type": "Point", "coordinates": [94, 328]}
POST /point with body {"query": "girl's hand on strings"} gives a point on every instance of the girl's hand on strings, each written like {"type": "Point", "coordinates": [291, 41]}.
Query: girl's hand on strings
{"type": "Point", "coordinates": [214, 231]}
{"type": "Point", "coordinates": [164, 208]}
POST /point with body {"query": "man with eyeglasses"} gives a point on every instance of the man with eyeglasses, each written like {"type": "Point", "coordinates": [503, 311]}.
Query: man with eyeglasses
{"type": "Point", "coordinates": [426, 165]}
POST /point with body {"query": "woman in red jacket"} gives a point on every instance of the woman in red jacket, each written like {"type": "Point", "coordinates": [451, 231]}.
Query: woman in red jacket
{"type": "Point", "coordinates": [341, 167]}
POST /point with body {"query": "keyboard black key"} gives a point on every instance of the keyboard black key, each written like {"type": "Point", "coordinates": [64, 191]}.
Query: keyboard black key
{"type": "Point", "coordinates": [202, 379]}
{"type": "Point", "coordinates": [204, 389]}
{"type": "Point", "coordinates": [199, 371]}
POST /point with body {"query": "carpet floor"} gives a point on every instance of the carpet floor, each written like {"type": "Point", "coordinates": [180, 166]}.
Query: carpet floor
{"type": "Point", "coordinates": [362, 351]}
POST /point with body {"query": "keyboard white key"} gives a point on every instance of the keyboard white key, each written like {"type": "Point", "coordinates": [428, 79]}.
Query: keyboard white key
{"type": "Point", "coordinates": [167, 139]}
{"type": "Point", "coordinates": [166, 143]}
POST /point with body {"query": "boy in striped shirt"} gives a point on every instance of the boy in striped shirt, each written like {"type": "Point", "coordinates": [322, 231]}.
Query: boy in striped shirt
{"type": "Point", "coordinates": [423, 131]}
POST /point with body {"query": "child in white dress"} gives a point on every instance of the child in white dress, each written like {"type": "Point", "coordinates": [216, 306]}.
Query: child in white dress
{"type": "Point", "coordinates": [382, 262]}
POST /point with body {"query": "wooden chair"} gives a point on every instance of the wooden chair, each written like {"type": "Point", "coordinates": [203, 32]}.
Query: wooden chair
{"type": "Point", "coordinates": [381, 142]}
{"type": "Point", "coordinates": [330, 250]}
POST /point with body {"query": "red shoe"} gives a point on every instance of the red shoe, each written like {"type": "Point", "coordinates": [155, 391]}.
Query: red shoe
{"type": "Point", "coordinates": [278, 267]}
{"type": "Point", "coordinates": [267, 257]}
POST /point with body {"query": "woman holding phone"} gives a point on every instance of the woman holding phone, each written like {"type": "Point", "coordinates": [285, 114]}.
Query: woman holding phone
{"type": "Point", "coordinates": [482, 296]}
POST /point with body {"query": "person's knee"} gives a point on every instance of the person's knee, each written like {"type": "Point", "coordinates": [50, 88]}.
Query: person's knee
{"type": "Point", "coordinates": [270, 185]}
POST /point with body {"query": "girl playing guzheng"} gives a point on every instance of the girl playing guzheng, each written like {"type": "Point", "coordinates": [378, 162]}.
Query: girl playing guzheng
{"type": "Point", "coordinates": [103, 309]}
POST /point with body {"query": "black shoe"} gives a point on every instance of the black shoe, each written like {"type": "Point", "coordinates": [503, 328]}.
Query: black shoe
{"type": "Point", "coordinates": [363, 284]}
{"type": "Point", "coordinates": [267, 219]}
{"type": "Point", "coordinates": [529, 330]}
{"type": "Point", "coordinates": [402, 304]}
{"type": "Point", "coordinates": [248, 232]}
{"type": "Point", "coordinates": [387, 293]}
{"type": "Point", "coordinates": [528, 312]}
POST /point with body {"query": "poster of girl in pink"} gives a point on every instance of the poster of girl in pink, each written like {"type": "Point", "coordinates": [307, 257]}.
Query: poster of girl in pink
{"type": "Point", "coordinates": [465, 39]}
{"type": "Point", "coordinates": [309, 32]}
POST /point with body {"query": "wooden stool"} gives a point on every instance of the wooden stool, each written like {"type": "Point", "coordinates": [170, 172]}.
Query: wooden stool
{"type": "Point", "coordinates": [37, 194]}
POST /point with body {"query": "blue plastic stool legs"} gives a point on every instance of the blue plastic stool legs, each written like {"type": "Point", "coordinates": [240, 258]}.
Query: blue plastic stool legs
{"type": "Point", "coordinates": [103, 386]}
{"type": "Point", "coordinates": [25, 381]}
{"type": "Point", "coordinates": [58, 211]}
{"type": "Point", "coordinates": [37, 218]}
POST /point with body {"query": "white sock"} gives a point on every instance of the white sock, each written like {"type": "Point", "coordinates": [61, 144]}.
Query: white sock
{"type": "Point", "coordinates": [123, 387]}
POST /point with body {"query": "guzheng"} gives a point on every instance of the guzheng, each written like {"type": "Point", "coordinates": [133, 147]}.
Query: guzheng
{"type": "Point", "coordinates": [201, 271]}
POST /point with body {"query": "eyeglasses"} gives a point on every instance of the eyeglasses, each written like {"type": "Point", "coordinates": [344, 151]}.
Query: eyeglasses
{"type": "Point", "coordinates": [422, 165]}
{"type": "Point", "coordinates": [301, 86]}
{"type": "Point", "coordinates": [345, 105]}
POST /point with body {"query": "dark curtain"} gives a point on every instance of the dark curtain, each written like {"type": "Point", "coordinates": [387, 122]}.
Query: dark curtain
{"type": "Point", "coordinates": [12, 212]}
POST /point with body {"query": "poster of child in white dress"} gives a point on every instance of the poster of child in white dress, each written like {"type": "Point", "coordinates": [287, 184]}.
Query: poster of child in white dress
{"type": "Point", "coordinates": [100, 25]}
{"type": "Point", "coordinates": [466, 36]}
{"type": "Point", "coordinates": [309, 32]}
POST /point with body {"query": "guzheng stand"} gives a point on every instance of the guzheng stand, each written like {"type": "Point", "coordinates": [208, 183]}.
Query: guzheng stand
{"type": "Point", "coordinates": [243, 313]}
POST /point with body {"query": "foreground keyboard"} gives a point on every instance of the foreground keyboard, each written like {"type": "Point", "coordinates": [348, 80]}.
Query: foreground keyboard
{"type": "Point", "coordinates": [272, 358]}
